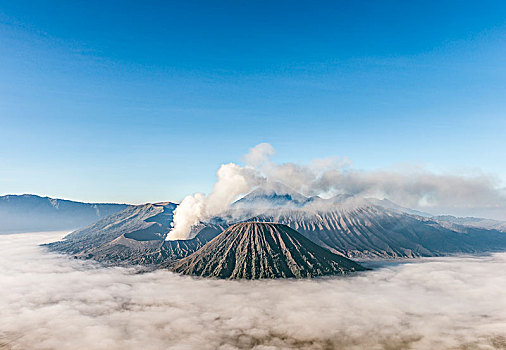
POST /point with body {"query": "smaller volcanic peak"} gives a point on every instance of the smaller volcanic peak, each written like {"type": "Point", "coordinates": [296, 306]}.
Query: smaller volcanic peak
{"type": "Point", "coordinates": [255, 250]}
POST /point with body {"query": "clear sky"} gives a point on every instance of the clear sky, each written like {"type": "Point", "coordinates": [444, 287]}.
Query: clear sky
{"type": "Point", "coordinates": [141, 101]}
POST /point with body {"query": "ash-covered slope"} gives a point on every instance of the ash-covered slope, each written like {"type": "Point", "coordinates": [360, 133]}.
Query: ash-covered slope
{"type": "Point", "coordinates": [256, 250]}
{"type": "Point", "coordinates": [375, 232]}
{"type": "Point", "coordinates": [30, 213]}
{"type": "Point", "coordinates": [135, 236]}
{"type": "Point", "coordinates": [364, 228]}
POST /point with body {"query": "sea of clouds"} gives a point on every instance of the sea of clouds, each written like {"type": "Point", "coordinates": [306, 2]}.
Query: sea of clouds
{"type": "Point", "coordinates": [49, 301]}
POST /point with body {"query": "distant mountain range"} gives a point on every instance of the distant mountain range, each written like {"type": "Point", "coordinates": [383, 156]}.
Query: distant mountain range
{"type": "Point", "coordinates": [472, 222]}
{"type": "Point", "coordinates": [355, 228]}
{"type": "Point", "coordinates": [29, 213]}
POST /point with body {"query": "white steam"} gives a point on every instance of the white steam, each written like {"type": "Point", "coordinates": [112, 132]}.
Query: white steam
{"type": "Point", "coordinates": [477, 195]}
{"type": "Point", "coordinates": [49, 301]}
{"type": "Point", "coordinates": [233, 180]}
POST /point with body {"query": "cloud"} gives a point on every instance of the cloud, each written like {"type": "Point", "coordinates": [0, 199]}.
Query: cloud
{"type": "Point", "coordinates": [258, 155]}
{"type": "Point", "coordinates": [415, 188]}
{"type": "Point", "coordinates": [53, 302]}
{"type": "Point", "coordinates": [419, 189]}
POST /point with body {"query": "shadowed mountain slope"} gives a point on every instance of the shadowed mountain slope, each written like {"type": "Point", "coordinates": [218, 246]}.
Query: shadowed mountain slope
{"type": "Point", "coordinates": [256, 250]}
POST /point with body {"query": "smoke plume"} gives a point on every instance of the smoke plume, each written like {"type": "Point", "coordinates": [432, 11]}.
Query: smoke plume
{"type": "Point", "coordinates": [49, 301]}
{"type": "Point", "coordinates": [477, 195]}
{"type": "Point", "coordinates": [233, 180]}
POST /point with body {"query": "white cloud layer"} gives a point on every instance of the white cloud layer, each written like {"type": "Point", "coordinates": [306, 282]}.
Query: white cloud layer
{"type": "Point", "coordinates": [53, 302]}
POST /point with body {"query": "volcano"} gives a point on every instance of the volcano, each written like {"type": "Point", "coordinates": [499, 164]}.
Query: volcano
{"type": "Point", "coordinates": [255, 250]}
{"type": "Point", "coordinates": [352, 227]}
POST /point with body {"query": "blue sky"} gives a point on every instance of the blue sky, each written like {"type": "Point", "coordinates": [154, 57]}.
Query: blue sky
{"type": "Point", "coordinates": [141, 101]}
